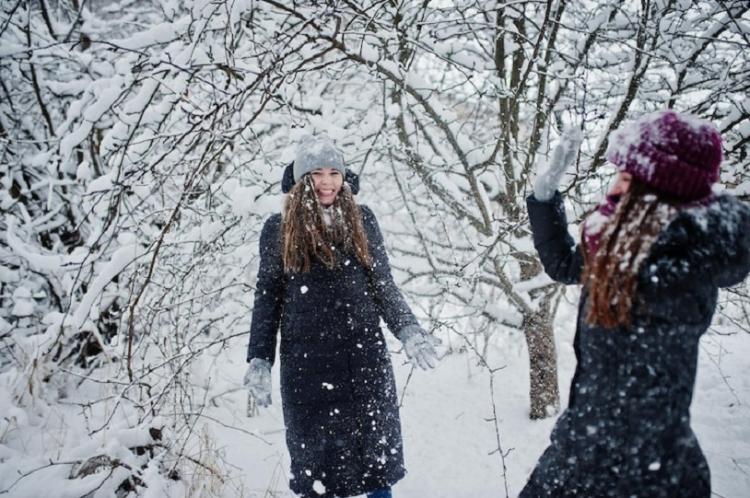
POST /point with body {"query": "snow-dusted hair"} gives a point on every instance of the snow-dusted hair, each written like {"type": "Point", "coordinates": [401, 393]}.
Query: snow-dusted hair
{"type": "Point", "coordinates": [611, 273]}
{"type": "Point", "coordinates": [305, 235]}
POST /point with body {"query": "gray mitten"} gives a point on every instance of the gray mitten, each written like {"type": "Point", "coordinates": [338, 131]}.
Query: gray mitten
{"type": "Point", "coordinates": [419, 346]}
{"type": "Point", "coordinates": [562, 157]}
{"type": "Point", "coordinates": [257, 380]}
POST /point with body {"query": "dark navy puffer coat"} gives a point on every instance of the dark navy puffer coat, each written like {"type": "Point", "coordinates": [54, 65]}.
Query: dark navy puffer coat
{"type": "Point", "coordinates": [626, 431]}
{"type": "Point", "coordinates": [337, 386]}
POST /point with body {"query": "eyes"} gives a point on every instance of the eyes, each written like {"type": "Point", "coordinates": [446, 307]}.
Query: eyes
{"type": "Point", "coordinates": [319, 173]}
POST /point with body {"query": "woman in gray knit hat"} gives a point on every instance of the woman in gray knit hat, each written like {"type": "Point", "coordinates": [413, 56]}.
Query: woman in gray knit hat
{"type": "Point", "coordinates": [324, 281]}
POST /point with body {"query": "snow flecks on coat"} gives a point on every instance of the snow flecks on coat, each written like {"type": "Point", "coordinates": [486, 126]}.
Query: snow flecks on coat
{"type": "Point", "coordinates": [709, 240]}
{"type": "Point", "coordinates": [337, 386]}
{"type": "Point", "coordinates": [626, 431]}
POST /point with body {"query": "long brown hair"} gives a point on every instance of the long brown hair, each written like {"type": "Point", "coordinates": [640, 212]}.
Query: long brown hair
{"type": "Point", "coordinates": [305, 235]}
{"type": "Point", "coordinates": [611, 273]}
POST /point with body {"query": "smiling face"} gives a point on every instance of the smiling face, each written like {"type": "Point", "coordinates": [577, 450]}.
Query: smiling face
{"type": "Point", "coordinates": [327, 182]}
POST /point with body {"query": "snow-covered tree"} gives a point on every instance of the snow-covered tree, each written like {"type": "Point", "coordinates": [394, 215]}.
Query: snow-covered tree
{"type": "Point", "coordinates": [458, 104]}
{"type": "Point", "coordinates": [143, 142]}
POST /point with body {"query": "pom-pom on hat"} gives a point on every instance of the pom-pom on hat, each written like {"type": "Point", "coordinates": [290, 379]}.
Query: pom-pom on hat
{"type": "Point", "coordinates": [675, 154]}
{"type": "Point", "coordinates": [314, 152]}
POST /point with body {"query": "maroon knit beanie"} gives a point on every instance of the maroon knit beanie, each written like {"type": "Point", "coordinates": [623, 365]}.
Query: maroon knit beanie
{"type": "Point", "coordinates": [676, 154]}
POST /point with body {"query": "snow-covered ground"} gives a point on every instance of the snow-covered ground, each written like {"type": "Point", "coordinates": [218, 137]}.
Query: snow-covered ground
{"type": "Point", "coordinates": [450, 439]}
{"type": "Point", "coordinates": [449, 436]}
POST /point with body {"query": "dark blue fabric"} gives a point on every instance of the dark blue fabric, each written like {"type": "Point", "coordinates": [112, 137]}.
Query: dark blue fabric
{"type": "Point", "coordinates": [380, 493]}
{"type": "Point", "coordinates": [626, 431]}
{"type": "Point", "coordinates": [337, 386]}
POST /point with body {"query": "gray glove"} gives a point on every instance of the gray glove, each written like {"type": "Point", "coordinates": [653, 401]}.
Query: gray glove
{"type": "Point", "coordinates": [419, 346]}
{"type": "Point", "coordinates": [257, 380]}
{"type": "Point", "coordinates": [562, 157]}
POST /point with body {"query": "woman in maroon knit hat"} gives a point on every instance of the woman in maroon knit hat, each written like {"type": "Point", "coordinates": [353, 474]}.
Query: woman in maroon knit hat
{"type": "Point", "coordinates": [651, 260]}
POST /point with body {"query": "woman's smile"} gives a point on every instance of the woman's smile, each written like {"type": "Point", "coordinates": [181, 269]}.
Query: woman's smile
{"type": "Point", "coordinates": [328, 182]}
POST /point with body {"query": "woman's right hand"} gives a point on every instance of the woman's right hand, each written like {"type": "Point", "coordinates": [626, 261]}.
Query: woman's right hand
{"type": "Point", "coordinates": [547, 181]}
{"type": "Point", "coordinates": [257, 380]}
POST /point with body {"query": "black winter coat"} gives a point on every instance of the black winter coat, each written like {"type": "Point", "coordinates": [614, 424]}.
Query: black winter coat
{"type": "Point", "coordinates": [626, 431]}
{"type": "Point", "coordinates": [337, 387]}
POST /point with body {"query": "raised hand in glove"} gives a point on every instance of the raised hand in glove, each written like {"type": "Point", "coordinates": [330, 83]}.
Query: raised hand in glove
{"type": "Point", "coordinates": [547, 181]}
{"type": "Point", "coordinates": [257, 380]}
{"type": "Point", "coordinates": [419, 346]}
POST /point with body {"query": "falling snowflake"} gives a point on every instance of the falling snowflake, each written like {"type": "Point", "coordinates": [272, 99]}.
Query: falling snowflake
{"type": "Point", "coordinates": [318, 487]}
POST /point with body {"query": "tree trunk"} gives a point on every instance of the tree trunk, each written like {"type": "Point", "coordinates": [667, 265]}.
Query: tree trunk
{"type": "Point", "coordinates": [543, 391]}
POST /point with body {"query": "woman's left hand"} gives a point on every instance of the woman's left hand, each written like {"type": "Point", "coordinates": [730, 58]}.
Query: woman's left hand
{"type": "Point", "coordinates": [419, 346]}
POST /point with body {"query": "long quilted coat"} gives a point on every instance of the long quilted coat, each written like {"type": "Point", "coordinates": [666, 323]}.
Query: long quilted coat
{"type": "Point", "coordinates": [337, 386]}
{"type": "Point", "coordinates": [626, 431]}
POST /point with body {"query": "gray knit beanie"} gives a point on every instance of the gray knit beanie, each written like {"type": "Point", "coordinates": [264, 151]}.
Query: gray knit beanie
{"type": "Point", "coordinates": [316, 151]}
